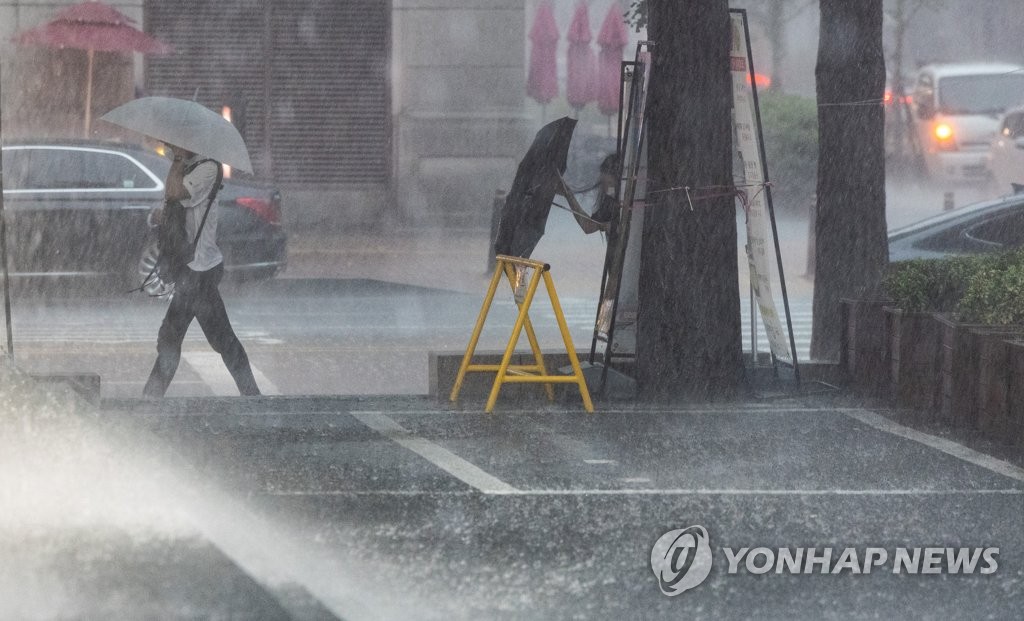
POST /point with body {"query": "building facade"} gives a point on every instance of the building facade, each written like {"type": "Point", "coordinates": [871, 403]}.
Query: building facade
{"type": "Point", "coordinates": [364, 112]}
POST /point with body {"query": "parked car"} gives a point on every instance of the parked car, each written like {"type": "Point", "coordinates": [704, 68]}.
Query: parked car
{"type": "Point", "coordinates": [989, 226]}
{"type": "Point", "coordinates": [1006, 153]}
{"type": "Point", "coordinates": [955, 114]}
{"type": "Point", "coordinates": [83, 209]}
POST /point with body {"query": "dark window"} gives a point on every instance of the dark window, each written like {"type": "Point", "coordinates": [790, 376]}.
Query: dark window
{"type": "Point", "coordinates": [117, 171]}
{"type": "Point", "coordinates": [980, 94]}
{"type": "Point", "coordinates": [1001, 232]}
{"type": "Point", "coordinates": [69, 169]}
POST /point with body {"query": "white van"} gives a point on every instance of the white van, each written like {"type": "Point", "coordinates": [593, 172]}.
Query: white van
{"type": "Point", "coordinates": [1006, 156]}
{"type": "Point", "coordinates": [956, 109]}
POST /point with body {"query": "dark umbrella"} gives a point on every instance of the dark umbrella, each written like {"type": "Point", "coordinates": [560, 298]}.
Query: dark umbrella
{"type": "Point", "coordinates": [94, 27]}
{"type": "Point", "coordinates": [537, 179]}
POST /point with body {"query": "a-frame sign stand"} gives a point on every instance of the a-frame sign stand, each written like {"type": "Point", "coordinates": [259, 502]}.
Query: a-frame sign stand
{"type": "Point", "coordinates": [516, 271]}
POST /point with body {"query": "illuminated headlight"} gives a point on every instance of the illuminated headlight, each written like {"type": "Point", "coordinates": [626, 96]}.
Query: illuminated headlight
{"type": "Point", "coordinates": [944, 136]}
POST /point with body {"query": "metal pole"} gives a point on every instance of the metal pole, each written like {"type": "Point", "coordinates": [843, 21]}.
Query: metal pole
{"type": "Point", "coordinates": [496, 208]}
{"type": "Point", "coordinates": [3, 241]}
{"type": "Point", "coordinates": [753, 326]}
{"type": "Point", "coordinates": [626, 201]}
{"type": "Point", "coordinates": [621, 131]}
{"type": "Point", "coordinates": [768, 201]}
{"type": "Point", "coordinates": [88, 95]}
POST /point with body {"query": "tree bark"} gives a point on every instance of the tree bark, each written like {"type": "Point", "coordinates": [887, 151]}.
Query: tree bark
{"type": "Point", "coordinates": [689, 341]}
{"type": "Point", "coordinates": [852, 249]}
{"type": "Point", "coordinates": [777, 36]}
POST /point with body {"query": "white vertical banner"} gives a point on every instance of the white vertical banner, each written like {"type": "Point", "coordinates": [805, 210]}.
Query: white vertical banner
{"type": "Point", "coordinates": [748, 141]}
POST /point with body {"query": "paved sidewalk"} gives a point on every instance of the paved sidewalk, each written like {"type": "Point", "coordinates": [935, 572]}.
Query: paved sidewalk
{"type": "Point", "coordinates": [457, 259]}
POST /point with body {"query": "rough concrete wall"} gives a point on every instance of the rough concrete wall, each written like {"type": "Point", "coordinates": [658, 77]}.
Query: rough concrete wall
{"type": "Point", "coordinates": [458, 89]}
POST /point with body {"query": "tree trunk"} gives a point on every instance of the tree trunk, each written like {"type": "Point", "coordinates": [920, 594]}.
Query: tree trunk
{"type": "Point", "coordinates": [899, 127]}
{"type": "Point", "coordinates": [852, 250]}
{"type": "Point", "coordinates": [777, 36]}
{"type": "Point", "coordinates": [688, 341]}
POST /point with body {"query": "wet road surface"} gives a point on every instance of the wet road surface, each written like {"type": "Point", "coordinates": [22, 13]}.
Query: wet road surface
{"type": "Point", "coordinates": [405, 508]}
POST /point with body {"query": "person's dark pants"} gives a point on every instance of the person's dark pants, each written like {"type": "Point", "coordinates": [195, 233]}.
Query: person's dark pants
{"type": "Point", "coordinates": [196, 296]}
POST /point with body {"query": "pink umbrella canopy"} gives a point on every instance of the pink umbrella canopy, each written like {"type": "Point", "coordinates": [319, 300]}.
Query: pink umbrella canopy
{"type": "Point", "coordinates": [94, 27]}
{"type": "Point", "coordinates": [612, 39]}
{"type": "Point", "coordinates": [542, 78]}
{"type": "Point", "coordinates": [581, 63]}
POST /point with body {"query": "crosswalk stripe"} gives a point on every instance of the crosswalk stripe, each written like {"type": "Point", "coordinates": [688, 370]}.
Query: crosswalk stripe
{"type": "Point", "coordinates": [210, 367]}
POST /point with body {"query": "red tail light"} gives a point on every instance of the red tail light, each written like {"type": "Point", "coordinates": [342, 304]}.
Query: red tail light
{"type": "Point", "coordinates": [267, 210]}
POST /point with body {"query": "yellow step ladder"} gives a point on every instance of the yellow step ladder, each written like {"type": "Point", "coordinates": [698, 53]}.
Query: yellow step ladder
{"type": "Point", "coordinates": [516, 270]}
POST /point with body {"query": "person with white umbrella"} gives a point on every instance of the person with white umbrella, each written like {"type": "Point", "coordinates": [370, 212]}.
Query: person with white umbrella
{"type": "Point", "coordinates": [196, 136]}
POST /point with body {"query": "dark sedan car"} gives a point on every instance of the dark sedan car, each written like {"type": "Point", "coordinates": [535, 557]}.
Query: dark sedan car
{"type": "Point", "coordinates": [83, 210]}
{"type": "Point", "coordinates": [989, 226]}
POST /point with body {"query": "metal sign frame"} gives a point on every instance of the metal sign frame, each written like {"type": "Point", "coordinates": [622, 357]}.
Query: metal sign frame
{"type": "Point", "coordinates": [767, 188]}
{"type": "Point", "coordinates": [630, 150]}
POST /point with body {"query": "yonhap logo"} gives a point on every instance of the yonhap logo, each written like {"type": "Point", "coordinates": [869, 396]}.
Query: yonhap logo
{"type": "Point", "coordinates": [681, 559]}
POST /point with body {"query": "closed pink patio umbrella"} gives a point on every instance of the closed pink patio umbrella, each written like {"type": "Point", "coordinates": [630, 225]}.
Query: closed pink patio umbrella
{"type": "Point", "coordinates": [612, 39]}
{"type": "Point", "coordinates": [542, 76]}
{"type": "Point", "coordinates": [581, 62]}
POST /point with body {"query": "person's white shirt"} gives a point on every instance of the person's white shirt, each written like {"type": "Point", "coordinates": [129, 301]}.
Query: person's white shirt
{"type": "Point", "coordinates": [199, 183]}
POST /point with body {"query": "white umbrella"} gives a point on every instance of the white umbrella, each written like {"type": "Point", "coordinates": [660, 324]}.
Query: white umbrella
{"type": "Point", "coordinates": [185, 124]}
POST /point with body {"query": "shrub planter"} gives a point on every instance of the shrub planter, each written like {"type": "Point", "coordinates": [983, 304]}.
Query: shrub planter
{"type": "Point", "coordinates": [958, 366]}
{"type": "Point", "coordinates": [914, 355]}
{"type": "Point", "coordinates": [993, 384]}
{"type": "Point", "coordinates": [863, 351]}
{"type": "Point", "coordinates": [961, 367]}
{"type": "Point", "coordinates": [1013, 426]}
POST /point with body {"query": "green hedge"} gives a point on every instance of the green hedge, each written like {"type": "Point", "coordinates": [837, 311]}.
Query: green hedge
{"type": "Point", "coordinates": [791, 145]}
{"type": "Point", "coordinates": [985, 289]}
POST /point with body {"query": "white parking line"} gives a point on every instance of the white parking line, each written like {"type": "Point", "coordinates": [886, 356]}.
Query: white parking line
{"type": "Point", "coordinates": [663, 492]}
{"type": "Point", "coordinates": [940, 444]}
{"type": "Point", "coordinates": [214, 374]}
{"type": "Point", "coordinates": [437, 455]}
